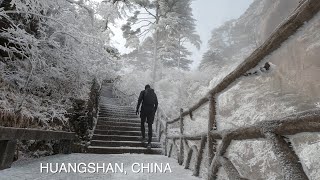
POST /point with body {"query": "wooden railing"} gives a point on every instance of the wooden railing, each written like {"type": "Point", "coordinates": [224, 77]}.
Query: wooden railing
{"type": "Point", "coordinates": [273, 130]}
{"type": "Point", "coordinates": [9, 137]}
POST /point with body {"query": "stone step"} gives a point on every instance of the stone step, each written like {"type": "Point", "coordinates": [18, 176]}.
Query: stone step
{"type": "Point", "coordinates": [116, 132]}
{"type": "Point", "coordinates": [117, 110]}
{"type": "Point", "coordinates": [120, 128]}
{"type": "Point", "coordinates": [118, 114]}
{"type": "Point", "coordinates": [118, 123]}
{"type": "Point", "coordinates": [119, 138]}
{"type": "Point", "coordinates": [121, 150]}
{"type": "Point", "coordinates": [129, 120]}
{"type": "Point", "coordinates": [110, 106]}
{"type": "Point", "coordinates": [117, 106]}
{"type": "Point", "coordinates": [124, 143]}
{"type": "Point", "coordinates": [120, 117]}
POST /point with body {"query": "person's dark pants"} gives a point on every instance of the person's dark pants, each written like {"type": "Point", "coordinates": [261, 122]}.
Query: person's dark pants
{"type": "Point", "coordinates": [149, 118]}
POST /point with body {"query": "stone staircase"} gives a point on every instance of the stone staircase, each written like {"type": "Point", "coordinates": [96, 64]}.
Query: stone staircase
{"type": "Point", "coordinates": [118, 129]}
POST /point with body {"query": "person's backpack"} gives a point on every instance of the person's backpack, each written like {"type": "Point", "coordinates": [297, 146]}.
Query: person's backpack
{"type": "Point", "coordinates": [149, 97]}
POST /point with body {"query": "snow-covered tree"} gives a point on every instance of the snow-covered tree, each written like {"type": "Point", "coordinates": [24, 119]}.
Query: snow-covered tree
{"type": "Point", "coordinates": [179, 28]}
{"type": "Point", "coordinates": [170, 25]}
{"type": "Point", "coordinates": [50, 51]}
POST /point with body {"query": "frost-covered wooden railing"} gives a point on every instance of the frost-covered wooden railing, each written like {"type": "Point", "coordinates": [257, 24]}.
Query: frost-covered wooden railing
{"type": "Point", "coordinates": [9, 137]}
{"type": "Point", "coordinates": [273, 130]}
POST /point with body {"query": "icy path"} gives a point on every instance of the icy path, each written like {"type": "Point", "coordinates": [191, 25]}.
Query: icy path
{"type": "Point", "coordinates": [30, 169]}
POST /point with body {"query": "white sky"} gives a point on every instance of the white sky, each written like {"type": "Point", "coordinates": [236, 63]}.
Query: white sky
{"type": "Point", "coordinates": [209, 14]}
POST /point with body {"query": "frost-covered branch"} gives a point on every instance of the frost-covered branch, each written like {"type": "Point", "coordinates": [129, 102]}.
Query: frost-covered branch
{"type": "Point", "coordinates": [81, 4]}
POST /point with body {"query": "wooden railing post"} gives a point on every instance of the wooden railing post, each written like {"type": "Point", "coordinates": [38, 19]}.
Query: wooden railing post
{"type": "Point", "coordinates": [158, 128]}
{"type": "Point", "coordinates": [289, 161]}
{"type": "Point", "coordinates": [230, 169]}
{"type": "Point", "coordinates": [166, 140]}
{"type": "Point", "coordinates": [221, 150]}
{"type": "Point", "coordinates": [199, 156]}
{"type": "Point", "coordinates": [211, 124]}
{"type": "Point", "coordinates": [7, 150]}
{"type": "Point", "coordinates": [171, 147]}
{"type": "Point", "coordinates": [181, 155]}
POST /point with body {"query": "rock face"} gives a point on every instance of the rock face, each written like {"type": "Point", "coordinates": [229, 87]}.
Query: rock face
{"type": "Point", "coordinates": [78, 120]}
{"type": "Point", "coordinates": [83, 116]}
{"type": "Point", "coordinates": [270, 13]}
{"type": "Point", "coordinates": [297, 63]}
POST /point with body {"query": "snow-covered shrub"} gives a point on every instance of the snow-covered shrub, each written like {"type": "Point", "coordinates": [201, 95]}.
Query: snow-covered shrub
{"type": "Point", "coordinates": [50, 52]}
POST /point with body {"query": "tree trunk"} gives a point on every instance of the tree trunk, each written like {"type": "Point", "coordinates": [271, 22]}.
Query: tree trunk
{"type": "Point", "coordinates": [155, 61]}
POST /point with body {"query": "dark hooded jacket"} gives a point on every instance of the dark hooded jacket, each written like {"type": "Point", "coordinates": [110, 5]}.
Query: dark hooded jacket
{"type": "Point", "coordinates": [149, 101]}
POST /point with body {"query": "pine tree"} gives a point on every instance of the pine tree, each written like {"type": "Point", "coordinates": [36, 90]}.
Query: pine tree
{"type": "Point", "coordinates": [180, 29]}
{"type": "Point", "coordinates": [170, 24]}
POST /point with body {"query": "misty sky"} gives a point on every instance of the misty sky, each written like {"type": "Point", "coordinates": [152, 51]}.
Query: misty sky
{"type": "Point", "coordinates": [209, 14]}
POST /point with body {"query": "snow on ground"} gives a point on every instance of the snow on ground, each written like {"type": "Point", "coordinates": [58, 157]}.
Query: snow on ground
{"type": "Point", "coordinates": [30, 169]}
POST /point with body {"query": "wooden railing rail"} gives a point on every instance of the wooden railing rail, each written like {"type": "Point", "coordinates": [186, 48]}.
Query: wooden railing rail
{"type": "Point", "coordinates": [9, 137]}
{"type": "Point", "coordinates": [274, 130]}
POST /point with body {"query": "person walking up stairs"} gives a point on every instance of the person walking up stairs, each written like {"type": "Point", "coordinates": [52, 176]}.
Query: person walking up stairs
{"type": "Point", "coordinates": [118, 129]}
{"type": "Point", "coordinates": [149, 107]}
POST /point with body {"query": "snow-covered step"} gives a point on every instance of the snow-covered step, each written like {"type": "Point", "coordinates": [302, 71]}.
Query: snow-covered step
{"type": "Point", "coordinates": [112, 119]}
{"type": "Point", "coordinates": [117, 115]}
{"type": "Point", "coordinates": [120, 128]}
{"type": "Point", "coordinates": [124, 143]}
{"type": "Point", "coordinates": [116, 106]}
{"type": "Point", "coordinates": [117, 112]}
{"type": "Point", "coordinates": [117, 132]}
{"type": "Point", "coordinates": [119, 123]}
{"type": "Point", "coordinates": [117, 109]}
{"type": "Point", "coordinates": [125, 111]}
{"type": "Point", "coordinates": [122, 150]}
{"type": "Point", "coordinates": [119, 138]}
{"type": "Point", "coordinates": [113, 106]}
